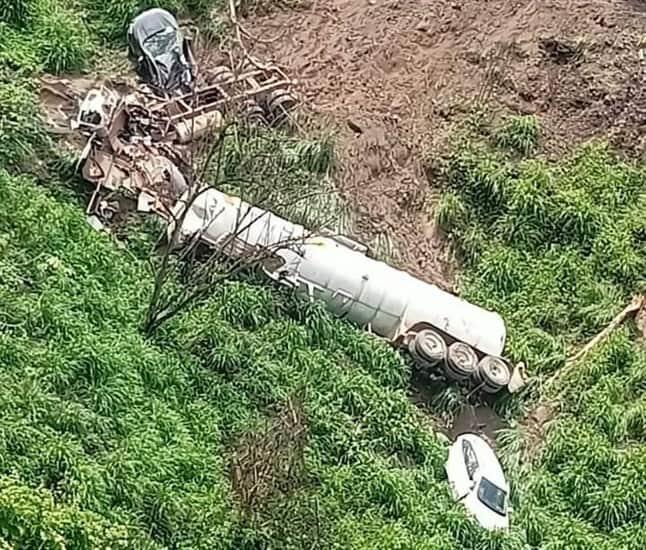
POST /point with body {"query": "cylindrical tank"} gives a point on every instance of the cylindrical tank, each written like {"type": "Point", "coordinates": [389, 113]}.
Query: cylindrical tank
{"type": "Point", "coordinates": [363, 290]}
{"type": "Point", "coordinates": [192, 129]}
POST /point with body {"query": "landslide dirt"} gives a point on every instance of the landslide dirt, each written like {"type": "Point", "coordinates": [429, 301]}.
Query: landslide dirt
{"type": "Point", "coordinates": [394, 77]}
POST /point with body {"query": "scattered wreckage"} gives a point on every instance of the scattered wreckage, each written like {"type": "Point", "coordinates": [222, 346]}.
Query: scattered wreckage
{"type": "Point", "coordinates": [138, 137]}
{"type": "Point", "coordinates": [136, 145]}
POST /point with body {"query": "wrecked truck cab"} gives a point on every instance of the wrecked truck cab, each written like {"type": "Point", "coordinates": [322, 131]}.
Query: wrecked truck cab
{"type": "Point", "coordinates": [161, 53]}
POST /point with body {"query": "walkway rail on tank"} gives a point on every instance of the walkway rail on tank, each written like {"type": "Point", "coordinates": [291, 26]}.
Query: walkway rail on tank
{"type": "Point", "coordinates": [438, 328]}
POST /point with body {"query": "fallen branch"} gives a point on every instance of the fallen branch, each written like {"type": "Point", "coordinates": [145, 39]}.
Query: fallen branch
{"type": "Point", "coordinates": [239, 32]}
{"type": "Point", "coordinates": [635, 305]}
{"type": "Point", "coordinates": [638, 302]}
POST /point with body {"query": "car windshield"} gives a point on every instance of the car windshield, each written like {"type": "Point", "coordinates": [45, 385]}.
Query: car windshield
{"type": "Point", "coordinates": [161, 42]}
{"type": "Point", "coordinates": [492, 496]}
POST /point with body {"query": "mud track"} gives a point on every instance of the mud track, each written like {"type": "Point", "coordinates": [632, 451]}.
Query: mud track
{"type": "Point", "coordinates": [394, 77]}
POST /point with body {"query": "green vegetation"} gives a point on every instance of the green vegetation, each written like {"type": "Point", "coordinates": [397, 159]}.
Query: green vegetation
{"type": "Point", "coordinates": [101, 427]}
{"type": "Point", "coordinates": [109, 439]}
{"type": "Point", "coordinates": [518, 133]}
{"type": "Point", "coordinates": [22, 135]}
{"type": "Point", "coordinates": [558, 249]}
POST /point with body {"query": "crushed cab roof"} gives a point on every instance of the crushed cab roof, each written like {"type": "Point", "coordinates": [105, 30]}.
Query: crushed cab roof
{"type": "Point", "coordinates": [151, 22]}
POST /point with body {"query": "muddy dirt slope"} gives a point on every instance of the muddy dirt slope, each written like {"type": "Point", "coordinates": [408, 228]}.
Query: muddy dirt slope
{"type": "Point", "coordinates": [393, 77]}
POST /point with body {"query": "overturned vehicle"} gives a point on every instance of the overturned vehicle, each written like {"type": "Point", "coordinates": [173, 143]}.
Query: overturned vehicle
{"type": "Point", "coordinates": [136, 145]}
{"type": "Point", "coordinates": [438, 329]}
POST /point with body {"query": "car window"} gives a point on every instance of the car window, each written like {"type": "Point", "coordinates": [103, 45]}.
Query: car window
{"type": "Point", "coordinates": [470, 460]}
{"type": "Point", "coordinates": [161, 42]}
{"type": "Point", "coordinates": [492, 496]}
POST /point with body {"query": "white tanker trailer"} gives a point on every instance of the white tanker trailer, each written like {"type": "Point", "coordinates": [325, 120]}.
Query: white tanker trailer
{"type": "Point", "coordinates": [438, 328]}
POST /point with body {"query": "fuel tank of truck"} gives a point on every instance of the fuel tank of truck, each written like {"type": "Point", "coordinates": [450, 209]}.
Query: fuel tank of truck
{"type": "Point", "coordinates": [367, 292]}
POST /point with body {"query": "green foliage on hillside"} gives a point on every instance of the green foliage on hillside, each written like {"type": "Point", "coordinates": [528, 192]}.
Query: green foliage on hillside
{"type": "Point", "coordinates": [111, 440]}
{"type": "Point", "coordinates": [22, 136]}
{"type": "Point", "coordinates": [101, 427]}
{"type": "Point", "coordinates": [557, 249]}
{"type": "Point", "coordinates": [584, 489]}
{"type": "Point", "coordinates": [44, 34]}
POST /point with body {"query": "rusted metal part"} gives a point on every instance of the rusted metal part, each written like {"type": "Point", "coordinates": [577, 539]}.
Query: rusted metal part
{"type": "Point", "coordinates": [132, 141]}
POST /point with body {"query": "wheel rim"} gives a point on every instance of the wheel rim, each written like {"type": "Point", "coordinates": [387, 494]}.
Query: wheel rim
{"type": "Point", "coordinates": [221, 74]}
{"type": "Point", "coordinates": [279, 104]}
{"type": "Point", "coordinates": [462, 358]}
{"type": "Point", "coordinates": [430, 347]}
{"type": "Point", "coordinates": [494, 372]}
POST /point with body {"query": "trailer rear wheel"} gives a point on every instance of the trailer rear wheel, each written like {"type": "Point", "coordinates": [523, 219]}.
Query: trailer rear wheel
{"type": "Point", "coordinates": [428, 348]}
{"type": "Point", "coordinates": [279, 103]}
{"type": "Point", "coordinates": [493, 373]}
{"type": "Point", "coordinates": [461, 361]}
{"type": "Point", "coordinates": [253, 112]}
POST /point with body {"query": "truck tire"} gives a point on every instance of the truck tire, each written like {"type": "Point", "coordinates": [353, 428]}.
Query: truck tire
{"type": "Point", "coordinates": [279, 103]}
{"type": "Point", "coordinates": [492, 373]}
{"type": "Point", "coordinates": [253, 112]}
{"type": "Point", "coordinates": [428, 348]}
{"type": "Point", "coordinates": [461, 361]}
{"type": "Point", "coordinates": [220, 74]}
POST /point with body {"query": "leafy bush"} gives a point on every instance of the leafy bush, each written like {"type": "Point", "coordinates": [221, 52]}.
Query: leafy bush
{"type": "Point", "coordinates": [559, 247]}
{"type": "Point", "coordinates": [519, 133]}
{"type": "Point", "coordinates": [104, 428]}
{"type": "Point", "coordinates": [21, 132]}
{"type": "Point", "coordinates": [15, 12]}
{"type": "Point", "coordinates": [62, 38]}
{"type": "Point", "coordinates": [18, 55]}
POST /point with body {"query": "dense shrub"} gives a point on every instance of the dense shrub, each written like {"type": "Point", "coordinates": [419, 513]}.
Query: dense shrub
{"type": "Point", "coordinates": [104, 426]}
{"type": "Point", "coordinates": [62, 38]}
{"type": "Point", "coordinates": [16, 12]}
{"type": "Point", "coordinates": [22, 134]}
{"type": "Point", "coordinates": [559, 247]}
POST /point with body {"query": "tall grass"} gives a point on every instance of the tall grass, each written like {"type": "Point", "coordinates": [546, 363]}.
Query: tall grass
{"type": "Point", "coordinates": [519, 133]}
{"type": "Point", "coordinates": [110, 440]}
{"type": "Point", "coordinates": [15, 12]}
{"type": "Point", "coordinates": [22, 135]}
{"type": "Point", "coordinates": [558, 249]}
{"type": "Point", "coordinates": [62, 37]}
{"type": "Point", "coordinates": [102, 427]}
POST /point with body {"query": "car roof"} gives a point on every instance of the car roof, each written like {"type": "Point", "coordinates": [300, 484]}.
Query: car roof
{"type": "Point", "coordinates": [489, 465]}
{"type": "Point", "coordinates": [151, 22]}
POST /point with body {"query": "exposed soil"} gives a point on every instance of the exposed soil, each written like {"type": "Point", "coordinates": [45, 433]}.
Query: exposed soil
{"type": "Point", "coordinates": [471, 416]}
{"type": "Point", "coordinates": [393, 77]}
{"type": "Point", "coordinates": [479, 419]}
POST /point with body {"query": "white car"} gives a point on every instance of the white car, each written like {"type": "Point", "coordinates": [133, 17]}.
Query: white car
{"type": "Point", "coordinates": [477, 480]}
